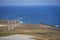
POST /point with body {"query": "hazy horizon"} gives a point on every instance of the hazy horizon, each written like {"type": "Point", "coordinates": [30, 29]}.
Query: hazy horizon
{"type": "Point", "coordinates": [30, 2]}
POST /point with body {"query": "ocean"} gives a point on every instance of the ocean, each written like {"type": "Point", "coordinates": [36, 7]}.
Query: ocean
{"type": "Point", "coordinates": [32, 14]}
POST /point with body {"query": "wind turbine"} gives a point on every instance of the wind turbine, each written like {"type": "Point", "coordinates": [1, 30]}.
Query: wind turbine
{"type": "Point", "coordinates": [19, 19]}
{"type": "Point", "coordinates": [16, 21]}
{"type": "Point", "coordinates": [9, 28]}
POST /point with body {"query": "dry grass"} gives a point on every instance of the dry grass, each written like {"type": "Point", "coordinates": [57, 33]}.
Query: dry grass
{"type": "Point", "coordinates": [40, 34]}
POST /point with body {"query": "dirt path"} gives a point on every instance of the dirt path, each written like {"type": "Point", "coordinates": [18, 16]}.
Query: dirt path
{"type": "Point", "coordinates": [17, 37]}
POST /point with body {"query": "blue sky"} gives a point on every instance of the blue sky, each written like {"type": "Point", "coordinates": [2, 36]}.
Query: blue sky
{"type": "Point", "coordinates": [29, 2]}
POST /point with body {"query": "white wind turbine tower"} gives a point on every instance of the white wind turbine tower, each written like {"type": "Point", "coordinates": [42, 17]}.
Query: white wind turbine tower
{"type": "Point", "coordinates": [9, 28]}
{"type": "Point", "coordinates": [14, 23]}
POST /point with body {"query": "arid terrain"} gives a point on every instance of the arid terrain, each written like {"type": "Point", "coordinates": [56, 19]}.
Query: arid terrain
{"type": "Point", "coordinates": [40, 31]}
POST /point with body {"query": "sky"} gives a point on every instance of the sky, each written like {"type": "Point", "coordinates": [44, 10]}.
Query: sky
{"type": "Point", "coordinates": [29, 2]}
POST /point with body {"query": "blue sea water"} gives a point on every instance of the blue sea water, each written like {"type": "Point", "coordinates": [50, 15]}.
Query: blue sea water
{"type": "Point", "coordinates": [32, 14]}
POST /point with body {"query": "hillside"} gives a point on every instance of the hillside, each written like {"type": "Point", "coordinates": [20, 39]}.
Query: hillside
{"type": "Point", "coordinates": [41, 31]}
{"type": "Point", "coordinates": [18, 25]}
